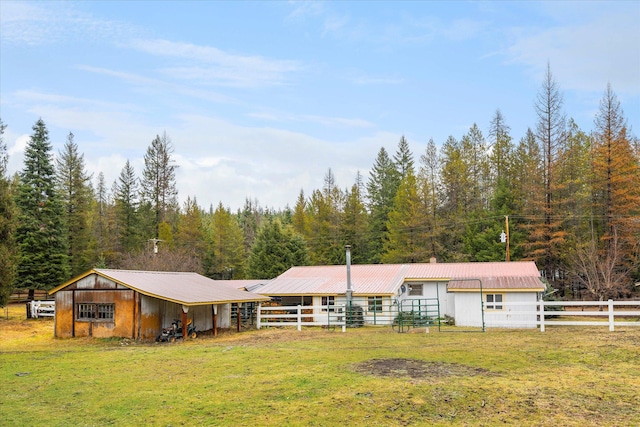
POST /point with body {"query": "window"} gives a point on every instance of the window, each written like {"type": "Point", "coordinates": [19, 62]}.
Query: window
{"type": "Point", "coordinates": [375, 303]}
{"type": "Point", "coordinates": [85, 311]}
{"type": "Point", "coordinates": [415, 290]}
{"type": "Point", "coordinates": [494, 301]}
{"type": "Point", "coordinates": [331, 300]}
{"type": "Point", "coordinates": [100, 312]}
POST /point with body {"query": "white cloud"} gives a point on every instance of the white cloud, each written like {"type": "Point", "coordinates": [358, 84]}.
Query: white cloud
{"type": "Point", "coordinates": [310, 118]}
{"type": "Point", "coordinates": [584, 56]}
{"type": "Point", "coordinates": [214, 66]}
{"type": "Point", "coordinates": [46, 23]}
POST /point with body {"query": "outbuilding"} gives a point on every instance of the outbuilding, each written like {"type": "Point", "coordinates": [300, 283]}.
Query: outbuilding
{"type": "Point", "coordinates": [473, 294]}
{"type": "Point", "coordinates": [138, 304]}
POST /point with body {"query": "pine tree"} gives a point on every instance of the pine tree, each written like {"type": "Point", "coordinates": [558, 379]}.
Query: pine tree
{"type": "Point", "coordinates": [403, 159]}
{"type": "Point", "coordinates": [616, 171]}
{"type": "Point", "coordinates": [159, 180]}
{"type": "Point", "coordinates": [275, 250]}
{"type": "Point", "coordinates": [103, 241]}
{"type": "Point", "coordinates": [75, 186]}
{"type": "Point", "coordinates": [41, 233]}
{"type": "Point", "coordinates": [407, 241]}
{"type": "Point", "coordinates": [300, 220]}
{"type": "Point", "coordinates": [429, 186]}
{"type": "Point", "coordinates": [190, 235]}
{"type": "Point", "coordinates": [8, 248]}
{"type": "Point", "coordinates": [550, 134]}
{"type": "Point", "coordinates": [354, 224]}
{"type": "Point", "coordinates": [125, 193]}
{"type": "Point", "coordinates": [381, 191]}
{"type": "Point", "coordinates": [226, 255]}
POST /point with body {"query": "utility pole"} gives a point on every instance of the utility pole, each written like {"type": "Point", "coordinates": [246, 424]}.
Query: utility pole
{"type": "Point", "coordinates": [504, 237]}
{"type": "Point", "coordinates": [506, 218]}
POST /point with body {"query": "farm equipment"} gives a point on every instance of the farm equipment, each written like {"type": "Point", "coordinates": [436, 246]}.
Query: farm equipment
{"type": "Point", "coordinates": [174, 332]}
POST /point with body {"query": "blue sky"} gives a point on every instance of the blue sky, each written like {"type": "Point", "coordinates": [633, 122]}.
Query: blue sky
{"type": "Point", "coordinates": [260, 99]}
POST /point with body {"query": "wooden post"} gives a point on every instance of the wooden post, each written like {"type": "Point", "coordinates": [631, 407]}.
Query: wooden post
{"type": "Point", "coordinates": [238, 315]}
{"type": "Point", "coordinates": [541, 315]}
{"type": "Point", "coordinates": [258, 315]}
{"type": "Point", "coordinates": [184, 324]}
{"type": "Point", "coordinates": [611, 319]}
{"type": "Point", "coordinates": [299, 317]}
{"type": "Point", "coordinates": [215, 320]}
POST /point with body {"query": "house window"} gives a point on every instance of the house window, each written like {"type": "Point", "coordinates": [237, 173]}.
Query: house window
{"type": "Point", "coordinates": [375, 303]}
{"type": "Point", "coordinates": [494, 301]}
{"type": "Point", "coordinates": [100, 312]}
{"type": "Point", "coordinates": [415, 290]}
{"type": "Point", "coordinates": [330, 301]}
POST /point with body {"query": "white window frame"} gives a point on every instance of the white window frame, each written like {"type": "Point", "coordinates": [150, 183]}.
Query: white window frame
{"type": "Point", "coordinates": [329, 300]}
{"type": "Point", "coordinates": [374, 303]}
{"type": "Point", "coordinates": [416, 289]}
{"type": "Point", "coordinates": [496, 303]}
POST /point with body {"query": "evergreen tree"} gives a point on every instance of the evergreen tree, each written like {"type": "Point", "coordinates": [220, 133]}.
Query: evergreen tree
{"type": "Point", "coordinates": [407, 241]}
{"type": "Point", "coordinates": [403, 159]}
{"type": "Point", "coordinates": [429, 186]}
{"type": "Point", "coordinates": [381, 191]}
{"type": "Point", "coordinates": [616, 184]}
{"type": "Point", "coordinates": [103, 241]}
{"type": "Point", "coordinates": [550, 134]}
{"type": "Point", "coordinates": [225, 255]}
{"type": "Point", "coordinates": [159, 180]}
{"type": "Point", "coordinates": [75, 186]}
{"type": "Point", "coordinates": [125, 192]}
{"type": "Point", "coordinates": [275, 250]}
{"type": "Point", "coordinates": [41, 233]}
{"type": "Point", "coordinates": [354, 223]}
{"type": "Point", "coordinates": [456, 201]}
{"type": "Point", "coordinates": [190, 234]}
{"type": "Point", "coordinates": [325, 243]}
{"type": "Point", "coordinates": [8, 248]}
{"type": "Point", "coordinates": [300, 219]}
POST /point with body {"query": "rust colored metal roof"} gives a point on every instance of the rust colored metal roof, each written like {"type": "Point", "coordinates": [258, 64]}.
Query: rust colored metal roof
{"type": "Point", "coordinates": [183, 288]}
{"type": "Point", "coordinates": [384, 279]}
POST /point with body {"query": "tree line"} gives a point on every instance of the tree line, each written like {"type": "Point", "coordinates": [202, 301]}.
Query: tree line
{"type": "Point", "coordinates": [571, 198]}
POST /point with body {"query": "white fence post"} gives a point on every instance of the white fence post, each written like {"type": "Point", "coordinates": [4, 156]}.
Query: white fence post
{"type": "Point", "coordinates": [258, 312]}
{"type": "Point", "coordinates": [299, 317]}
{"type": "Point", "coordinates": [541, 315]}
{"type": "Point", "coordinates": [611, 322]}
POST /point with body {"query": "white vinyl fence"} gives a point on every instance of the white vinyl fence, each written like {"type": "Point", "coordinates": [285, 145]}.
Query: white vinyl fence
{"type": "Point", "coordinates": [299, 316]}
{"type": "Point", "coordinates": [550, 313]}
{"type": "Point", "coordinates": [42, 308]}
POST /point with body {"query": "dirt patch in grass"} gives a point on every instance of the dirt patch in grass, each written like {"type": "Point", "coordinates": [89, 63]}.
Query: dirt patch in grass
{"type": "Point", "coordinates": [417, 369]}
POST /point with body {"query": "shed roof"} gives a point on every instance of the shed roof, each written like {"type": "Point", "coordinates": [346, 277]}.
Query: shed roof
{"type": "Point", "coordinates": [384, 279]}
{"type": "Point", "coordinates": [189, 289]}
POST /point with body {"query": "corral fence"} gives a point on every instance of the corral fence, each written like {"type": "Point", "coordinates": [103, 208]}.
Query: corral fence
{"type": "Point", "coordinates": [557, 313]}
{"type": "Point", "coordinates": [401, 315]}
{"type": "Point", "coordinates": [36, 309]}
{"type": "Point", "coordinates": [329, 316]}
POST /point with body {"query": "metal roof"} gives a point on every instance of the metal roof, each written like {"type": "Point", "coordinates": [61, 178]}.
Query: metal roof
{"type": "Point", "coordinates": [183, 288]}
{"type": "Point", "coordinates": [384, 279]}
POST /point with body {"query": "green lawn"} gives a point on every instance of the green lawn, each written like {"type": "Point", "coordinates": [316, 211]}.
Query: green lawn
{"type": "Point", "coordinates": [364, 377]}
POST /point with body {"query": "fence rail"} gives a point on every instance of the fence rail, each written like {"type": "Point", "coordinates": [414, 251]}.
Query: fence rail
{"type": "Point", "coordinates": [308, 315]}
{"type": "Point", "coordinates": [42, 309]}
{"type": "Point", "coordinates": [546, 314]}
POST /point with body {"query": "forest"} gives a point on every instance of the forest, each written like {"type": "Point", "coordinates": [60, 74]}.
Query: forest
{"type": "Point", "coordinates": [565, 197]}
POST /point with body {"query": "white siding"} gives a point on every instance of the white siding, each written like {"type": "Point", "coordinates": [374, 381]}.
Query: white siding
{"type": "Point", "coordinates": [468, 310]}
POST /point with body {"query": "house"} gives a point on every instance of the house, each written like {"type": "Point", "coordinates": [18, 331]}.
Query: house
{"type": "Point", "coordinates": [138, 304]}
{"type": "Point", "coordinates": [473, 294]}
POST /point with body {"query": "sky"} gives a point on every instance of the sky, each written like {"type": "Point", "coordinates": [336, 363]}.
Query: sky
{"type": "Point", "coordinates": [261, 99]}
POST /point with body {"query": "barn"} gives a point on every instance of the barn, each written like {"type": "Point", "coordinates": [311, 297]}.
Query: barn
{"type": "Point", "coordinates": [473, 294]}
{"type": "Point", "coordinates": [138, 304]}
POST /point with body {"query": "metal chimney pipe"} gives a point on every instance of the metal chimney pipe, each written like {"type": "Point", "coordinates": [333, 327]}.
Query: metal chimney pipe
{"type": "Point", "coordinates": [349, 292]}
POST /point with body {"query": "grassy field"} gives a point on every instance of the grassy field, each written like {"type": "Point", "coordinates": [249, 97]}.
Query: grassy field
{"type": "Point", "coordinates": [364, 377]}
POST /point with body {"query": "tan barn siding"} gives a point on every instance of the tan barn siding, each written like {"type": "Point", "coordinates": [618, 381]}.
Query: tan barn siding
{"type": "Point", "coordinates": [123, 314]}
{"type": "Point", "coordinates": [150, 317]}
{"type": "Point", "coordinates": [64, 315]}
